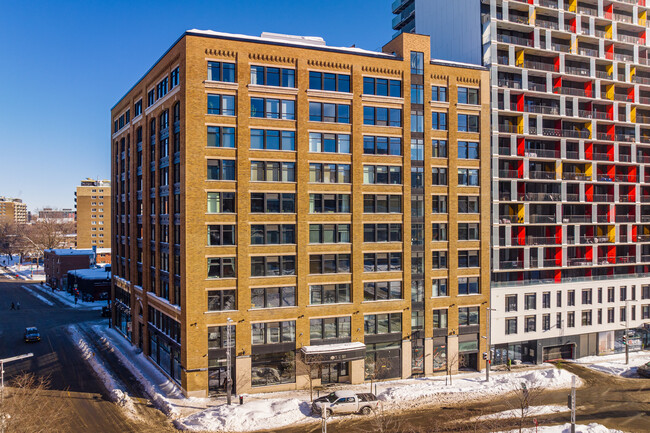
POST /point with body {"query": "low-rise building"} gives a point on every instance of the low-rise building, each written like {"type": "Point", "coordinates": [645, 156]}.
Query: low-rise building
{"type": "Point", "coordinates": [57, 263]}
{"type": "Point", "coordinates": [90, 284]}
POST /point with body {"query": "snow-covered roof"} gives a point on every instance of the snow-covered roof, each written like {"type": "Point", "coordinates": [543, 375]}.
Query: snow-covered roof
{"type": "Point", "coordinates": [70, 252]}
{"type": "Point", "coordinates": [103, 250]}
{"type": "Point", "coordinates": [456, 64]}
{"type": "Point", "coordinates": [327, 348]}
{"type": "Point", "coordinates": [91, 274]}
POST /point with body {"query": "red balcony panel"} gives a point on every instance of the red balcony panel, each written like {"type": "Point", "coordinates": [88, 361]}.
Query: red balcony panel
{"type": "Point", "coordinates": [558, 235]}
{"type": "Point", "coordinates": [556, 61]}
{"type": "Point", "coordinates": [589, 253]}
{"type": "Point", "coordinates": [558, 276]}
{"type": "Point", "coordinates": [589, 192]}
{"type": "Point", "coordinates": [634, 237]}
{"type": "Point", "coordinates": [558, 256]}
{"type": "Point", "coordinates": [557, 84]}
{"type": "Point", "coordinates": [589, 89]}
{"type": "Point", "coordinates": [521, 235]}
{"type": "Point", "coordinates": [520, 102]}
{"type": "Point", "coordinates": [520, 169]}
{"type": "Point", "coordinates": [521, 146]}
{"type": "Point", "coordinates": [589, 150]}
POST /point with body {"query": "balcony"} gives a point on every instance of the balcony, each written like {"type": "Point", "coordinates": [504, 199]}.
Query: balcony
{"type": "Point", "coordinates": [602, 218]}
{"type": "Point", "coordinates": [587, 11]}
{"type": "Point", "coordinates": [645, 258]}
{"type": "Point", "coordinates": [505, 127]}
{"type": "Point", "coordinates": [570, 91]}
{"type": "Point", "coordinates": [509, 219]}
{"type": "Point", "coordinates": [573, 133]}
{"type": "Point", "coordinates": [625, 218]}
{"type": "Point", "coordinates": [646, 160]}
{"type": "Point", "coordinates": [586, 114]}
{"type": "Point", "coordinates": [541, 240]}
{"type": "Point", "coordinates": [602, 115]}
{"type": "Point", "coordinates": [604, 74]}
{"type": "Point", "coordinates": [576, 218]}
{"type": "Point", "coordinates": [625, 178]}
{"type": "Point", "coordinates": [553, 25]}
{"type": "Point", "coordinates": [571, 154]}
{"type": "Point", "coordinates": [623, 57]}
{"type": "Point", "coordinates": [516, 40]}
{"type": "Point", "coordinates": [542, 153]}
{"type": "Point", "coordinates": [604, 136]}
{"type": "Point", "coordinates": [504, 151]}
{"type": "Point", "coordinates": [517, 19]}
{"type": "Point", "coordinates": [577, 71]}
{"type": "Point", "coordinates": [622, 17]}
{"type": "Point", "coordinates": [594, 240]}
{"type": "Point", "coordinates": [550, 263]}
{"type": "Point", "coordinates": [563, 48]}
{"type": "Point", "coordinates": [552, 4]}
{"type": "Point", "coordinates": [539, 196]}
{"type": "Point", "coordinates": [625, 137]}
{"type": "Point", "coordinates": [511, 264]}
{"type": "Point", "coordinates": [549, 175]}
{"type": "Point", "coordinates": [578, 261]}
{"type": "Point", "coordinates": [645, 199]}
{"type": "Point", "coordinates": [512, 84]}
{"type": "Point", "coordinates": [603, 197]}
{"type": "Point", "coordinates": [587, 52]}
{"type": "Point", "coordinates": [626, 199]}
{"type": "Point", "coordinates": [539, 65]}
{"type": "Point", "coordinates": [643, 119]}
{"type": "Point", "coordinates": [543, 109]}
{"type": "Point", "coordinates": [551, 132]}
{"type": "Point", "coordinates": [643, 238]}
{"type": "Point", "coordinates": [626, 259]}
{"type": "Point", "coordinates": [509, 174]}
{"type": "Point", "coordinates": [573, 197]}
{"type": "Point", "coordinates": [536, 87]}
{"type": "Point", "coordinates": [542, 219]}
{"type": "Point", "coordinates": [575, 176]}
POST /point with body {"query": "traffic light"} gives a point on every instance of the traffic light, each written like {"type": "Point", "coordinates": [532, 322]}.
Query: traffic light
{"type": "Point", "coordinates": [569, 405]}
{"type": "Point", "coordinates": [625, 340]}
{"type": "Point", "coordinates": [485, 356]}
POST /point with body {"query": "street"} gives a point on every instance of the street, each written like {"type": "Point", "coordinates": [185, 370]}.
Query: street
{"type": "Point", "coordinates": [56, 356]}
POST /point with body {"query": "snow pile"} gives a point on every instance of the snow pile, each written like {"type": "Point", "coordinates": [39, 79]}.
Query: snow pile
{"type": "Point", "coordinates": [254, 415]}
{"type": "Point", "coordinates": [37, 296]}
{"type": "Point", "coordinates": [531, 411]}
{"type": "Point", "coordinates": [474, 387]}
{"type": "Point", "coordinates": [566, 428]}
{"type": "Point", "coordinates": [615, 364]}
{"type": "Point", "coordinates": [68, 298]}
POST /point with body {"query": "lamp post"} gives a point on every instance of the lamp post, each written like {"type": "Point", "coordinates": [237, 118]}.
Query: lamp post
{"type": "Point", "coordinates": [488, 339]}
{"type": "Point", "coordinates": [2, 371]}
{"type": "Point", "coordinates": [228, 360]}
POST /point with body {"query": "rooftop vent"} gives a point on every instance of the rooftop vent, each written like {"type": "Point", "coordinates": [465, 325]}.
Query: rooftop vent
{"type": "Point", "coordinates": [309, 40]}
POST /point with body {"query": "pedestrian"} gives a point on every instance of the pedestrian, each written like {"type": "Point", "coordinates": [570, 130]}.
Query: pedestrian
{"type": "Point", "coordinates": [13, 306]}
{"type": "Point", "coordinates": [17, 305]}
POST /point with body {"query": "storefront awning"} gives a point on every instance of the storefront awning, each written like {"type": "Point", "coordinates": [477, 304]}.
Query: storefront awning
{"type": "Point", "coordinates": [331, 353]}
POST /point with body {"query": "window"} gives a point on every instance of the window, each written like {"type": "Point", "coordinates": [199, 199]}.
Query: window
{"type": "Point", "coordinates": [439, 121]}
{"type": "Point", "coordinates": [329, 263]}
{"type": "Point", "coordinates": [468, 123]}
{"type": "Point", "coordinates": [267, 139]}
{"type": "Point", "coordinates": [273, 108]}
{"type": "Point", "coordinates": [282, 363]}
{"type": "Point", "coordinates": [511, 303]}
{"type": "Point", "coordinates": [645, 312]}
{"type": "Point", "coordinates": [645, 291]}
{"type": "Point", "coordinates": [273, 266]}
{"type": "Point", "coordinates": [382, 174]}
{"type": "Point", "coordinates": [530, 323]}
{"type": "Point", "coordinates": [468, 177]}
{"type": "Point", "coordinates": [546, 300]}
{"type": "Point", "coordinates": [546, 322]}
{"type": "Point", "coordinates": [174, 78]}
{"type": "Point", "coordinates": [329, 294]}
{"type": "Point", "coordinates": [571, 298]}
{"type": "Point", "coordinates": [417, 151]}
{"type": "Point", "coordinates": [221, 267]}
{"type": "Point", "coordinates": [221, 202]}
{"type": "Point", "coordinates": [439, 93]}
{"type": "Point", "coordinates": [382, 203]}
{"type": "Point", "coordinates": [273, 202]}
{"type": "Point", "coordinates": [273, 297]}
{"type": "Point", "coordinates": [600, 316]}
{"type": "Point", "coordinates": [221, 235]}
{"type": "Point", "coordinates": [223, 105]}
{"type": "Point", "coordinates": [439, 231]}
{"type": "Point", "coordinates": [610, 294]}
{"type": "Point", "coordinates": [381, 116]}
{"type": "Point", "coordinates": [530, 301]}
{"type": "Point", "coordinates": [468, 316]}
{"type": "Point", "coordinates": [468, 204]}
{"type": "Point", "coordinates": [468, 259]}
{"type": "Point", "coordinates": [382, 323]}
{"type": "Point", "coordinates": [137, 108]}
{"type": "Point", "coordinates": [382, 145]}
{"type": "Point", "coordinates": [600, 295]}
{"type": "Point", "coordinates": [417, 63]}
{"type": "Point", "coordinates": [439, 288]}
{"type": "Point", "coordinates": [468, 150]}
{"type": "Point", "coordinates": [151, 97]}
{"type": "Point", "coordinates": [324, 112]}
{"type": "Point", "coordinates": [329, 203]}
{"type": "Point", "coordinates": [439, 259]}
{"type": "Point", "coordinates": [382, 232]}
{"type": "Point", "coordinates": [439, 176]}
{"type": "Point", "coordinates": [439, 204]}
{"type": "Point", "coordinates": [468, 231]}
{"type": "Point", "coordinates": [439, 148]}
{"type": "Point", "coordinates": [221, 300]}
{"type": "Point", "coordinates": [468, 96]}
{"type": "Point", "coordinates": [329, 233]}
{"type": "Point", "coordinates": [221, 71]}
{"type": "Point", "coordinates": [329, 173]}
{"type": "Point", "coordinates": [221, 169]}
{"type": "Point", "coordinates": [161, 88]}
{"type": "Point", "coordinates": [571, 319]}
{"type": "Point", "coordinates": [439, 319]}
{"type": "Point", "coordinates": [468, 286]}
{"type": "Point", "coordinates": [511, 325]}
{"type": "Point", "coordinates": [270, 76]}
{"type": "Point", "coordinates": [622, 314]}
{"type": "Point", "coordinates": [329, 82]}
{"type": "Point", "coordinates": [586, 318]}
{"type": "Point", "coordinates": [329, 328]}
{"type": "Point", "coordinates": [271, 234]}
{"type": "Point", "coordinates": [586, 297]}
{"type": "Point", "coordinates": [272, 171]}
{"type": "Point", "coordinates": [382, 290]}
{"type": "Point", "coordinates": [623, 293]}
{"type": "Point", "coordinates": [273, 332]}
{"type": "Point", "coordinates": [417, 94]}
{"type": "Point", "coordinates": [382, 262]}
{"type": "Point", "coordinates": [558, 299]}
{"type": "Point", "coordinates": [382, 87]}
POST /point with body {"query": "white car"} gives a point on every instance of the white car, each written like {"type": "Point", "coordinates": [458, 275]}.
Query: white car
{"type": "Point", "coordinates": [344, 402]}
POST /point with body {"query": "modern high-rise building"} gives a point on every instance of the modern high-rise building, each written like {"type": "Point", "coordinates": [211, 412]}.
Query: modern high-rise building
{"type": "Point", "coordinates": [13, 210]}
{"type": "Point", "coordinates": [93, 206]}
{"type": "Point", "coordinates": [570, 88]}
{"type": "Point", "coordinates": [320, 201]}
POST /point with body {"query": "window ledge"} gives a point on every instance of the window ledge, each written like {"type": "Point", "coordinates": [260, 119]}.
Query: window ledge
{"type": "Point", "coordinates": [223, 85]}
{"type": "Point", "coordinates": [470, 107]}
{"type": "Point", "coordinates": [382, 99]}
{"type": "Point", "coordinates": [329, 94]}
{"type": "Point", "coordinates": [273, 89]}
{"type": "Point", "coordinates": [330, 304]}
{"type": "Point", "coordinates": [439, 104]}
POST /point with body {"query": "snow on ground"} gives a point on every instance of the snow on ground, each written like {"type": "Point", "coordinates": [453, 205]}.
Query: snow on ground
{"type": "Point", "coordinates": [566, 428]}
{"type": "Point", "coordinates": [68, 298]}
{"type": "Point", "coordinates": [615, 364]}
{"type": "Point", "coordinates": [26, 272]}
{"type": "Point", "coordinates": [39, 297]}
{"type": "Point", "coordinates": [116, 392]}
{"type": "Point", "coordinates": [532, 411]}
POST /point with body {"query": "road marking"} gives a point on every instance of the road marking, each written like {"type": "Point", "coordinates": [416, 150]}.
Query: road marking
{"type": "Point", "coordinates": [37, 296]}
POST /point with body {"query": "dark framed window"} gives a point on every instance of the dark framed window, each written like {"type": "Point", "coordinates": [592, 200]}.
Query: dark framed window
{"type": "Point", "coordinates": [174, 77]}
{"type": "Point", "coordinates": [273, 108]}
{"type": "Point", "coordinates": [439, 121]}
{"type": "Point", "coordinates": [162, 87]}
{"type": "Point", "coordinates": [439, 148]}
{"type": "Point", "coordinates": [586, 318]}
{"type": "Point", "coordinates": [273, 171]}
{"type": "Point", "coordinates": [329, 143]}
{"type": "Point", "coordinates": [382, 203]}
{"type": "Point", "coordinates": [137, 108]}
{"type": "Point", "coordinates": [530, 301]}
{"type": "Point", "coordinates": [382, 262]}
{"type": "Point", "coordinates": [382, 290]}
{"type": "Point", "coordinates": [273, 297]}
{"type": "Point", "coordinates": [439, 176]}
{"type": "Point", "coordinates": [221, 136]}
{"type": "Point", "coordinates": [530, 323]}
{"type": "Point", "coordinates": [468, 123]}
{"type": "Point", "coordinates": [272, 202]}
{"type": "Point", "coordinates": [468, 316]}
{"type": "Point", "coordinates": [439, 287]}
{"type": "Point", "coordinates": [439, 232]}
{"type": "Point", "coordinates": [151, 97]}
{"type": "Point", "coordinates": [382, 323]}
{"type": "Point", "coordinates": [440, 319]}
{"type": "Point", "coordinates": [221, 267]}
{"type": "Point", "coordinates": [329, 328]}
{"type": "Point", "coordinates": [373, 145]}
{"type": "Point", "coordinates": [325, 112]}
{"type": "Point", "coordinates": [221, 235]}
{"type": "Point", "coordinates": [329, 263]}
{"type": "Point", "coordinates": [417, 94]}
{"type": "Point", "coordinates": [468, 150]}
{"type": "Point", "coordinates": [468, 177]}
{"type": "Point", "coordinates": [273, 332]}
{"type": "Point", "coordinates": [417, 62]}
{"type": "Point", "coordinates": [468, 231]}
{"type": "Point", "coordinates": [221, 71]}
{"type": "Point", "coordinates": [468, 286]}
{"type": "Point", "coordinates": [382, 232]}
{"type": "Point", "coordinates": [272, 76]}
{"type": "Point", "coordinates": [546, 300]}
{"type": "Point", "coordinates": [439, 259]}
{"type": "Point", "coordinates": [439, 204]}
{"type": "Point", "coordinates": [329, 203]}
{"type": "Point", "coordinates": [382, 87]}
{"type": "Point", "coordinates": [329, 294]}
{"type": "Point", "coordinates": [329, 233]}
{"type": "Point", "coordinates": [439, 94]}
{"type": "Point", "coordinates": [221, 169]}
{"type": "Point", "coordinates": [511, 325]}
{"type": "Point", "coordinates": [382, 116]}
{"type": "Point", "coordinates": [586, 296]}
{"type": "Point", "coordinates": [221, 300]}
{"type": "Point", "coordinates": [511, 303]}
{"type": "Point", "coordinates": [221, 202]}
{"type": "Point", "coordinates": [546, 322]}
{"type": "Point", "coordinates": [329, 173]}
{"type": "Point", "coordinates": [329, 82]}
{"type": "Point", "coordinates": [268, 139]}
{"type": "Point", "coordinates": [271, 234]}
{"type": "Point", "coordinates": [468, 95]}
{"type": "Point", "coordinates": [571, 298]}
{"type": "Point", "coordinates": [382, 174]}
{"type": "Point", "coordinates": [222, 105]}
{"type": "Point", "coordinates": [273, 266]}
{"type": "Point", "coordinates": [468, 204]}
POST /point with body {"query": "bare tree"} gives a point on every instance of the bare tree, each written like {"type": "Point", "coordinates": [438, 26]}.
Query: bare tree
{"type": "Point", "coordinates": [311, 369]}
{"type": "Point", "coordinates": [377, 368]}
{"type": "Point", "coordinates": [12, 241]}
{"type": "Point", "coordinates": [524, 396]}
{"type": "Point", "coordinates": [48, 233]}
{"type": "Point", "coordinates": [450, 363]}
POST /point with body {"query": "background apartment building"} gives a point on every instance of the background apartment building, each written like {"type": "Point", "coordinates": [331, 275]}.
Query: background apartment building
{"type": "Point", "coordinates": [93, 206]}
{"type": "Point", "coordinates": [13, 210]}
{"type": "Point", "coordinates": [316, 196]}
{"type": "Point", "coordinates": [570, 87]}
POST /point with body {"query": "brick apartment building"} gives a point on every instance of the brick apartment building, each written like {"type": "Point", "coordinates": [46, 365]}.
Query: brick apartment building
{"type": "Point", "coordinates": [13, 210]}
{"type": "Point", "coordinates": [316, 196]}
{"type": "Point", "coordinates": [93, 206]}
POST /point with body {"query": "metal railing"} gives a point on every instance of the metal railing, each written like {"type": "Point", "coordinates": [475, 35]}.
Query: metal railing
{"type": "Point", "coordinates": [542, 109]}
{"type": "Point", "coordinates": [623, 57]}
{"type": "Point", "coordinates": [602, 115]}
{"type": "Point", "coordinates": [625, 178]}
{"type": "Point", "coordinates": [570, 154]}
{"type": "Point", "coordinates": [602, 218]}
{"type": "Point", "coordinates": [573, 197]}
{"type": "Point", "coordinates": [578, 261]}
{"type": "Point", "coordinates": [587, 52]}
{"type": "Point", "coordinates": [575, 133]}
{"type": "Point", "coordinates": [542, 153]}
{"type": "Point", "coordinates": [511, 264]}
{"type": "Point", "coordinates": [603, 197]}
{"type": "Point", "coordinates": [505, 151]}
{"type": "Point", "coordinates": [539, 65]}
{"type": "Point", "coordinates": [560, 47]}
{"type": "Point", "coordinates": [509, 39]}
{"type": "Point", "coordinates": [537, 87]}
{"type": "Point", "coordinates": [541, 240]}
{"type": "Point", "coordinates": [509, 174]}
{"type": "Point", "coordinates": [570, 91]}
{"type": "Point", "coordinates": [625, 218]}
{"type": "Point", "coordinates": [549, 175]}
{"type": "Point", "coordinates": [551, 132]}
{"type": "Point", "coordinates": [539, 196]}
{"type": "Point", "coordinates": [576, 71]}
{"type": "Point", "coordinates": [604, 136]}
{"type": "Point", "coordinates": [505, 127]}
{"type": "Point", "coordinates": [625, 137]}
{"type": "Point", "coordinates": [553, 25]}
{"type": "Point", "coordinates": [542, 219]}
{"type": "Point", "coordinates": [622, 17]}
{"type": "Point", "coordinates": [603, 74]}
{"type": "Point", "coordinates": [504, 219]}
{"type": "Point", "coordinates": [575, 176]}
{"type": "Point", "coordinates": [628, 38]}
{"type": "Point", "coordinates": [577, 218]}
{"type": "Point", "coordinates": [549, 3]}
{"type": "Point", "coordinates": [512, 84]}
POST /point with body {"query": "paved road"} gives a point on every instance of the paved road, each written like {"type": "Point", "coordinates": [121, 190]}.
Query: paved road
{"type": "Point", "coordinates": [88, 408]}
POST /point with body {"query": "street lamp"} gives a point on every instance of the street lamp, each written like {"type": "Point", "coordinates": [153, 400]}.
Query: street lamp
{"type": "Point", "coordinates": [228, 360]}
{"type": "Point", "coordinates": [488, 339]}
{"type": "Point", "coordinates": [626, 336]}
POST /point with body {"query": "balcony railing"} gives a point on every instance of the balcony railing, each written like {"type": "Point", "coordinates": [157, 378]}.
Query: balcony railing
{"type": "Point", "coordinates": [505, 151]}
{"type": "Point", "coordinates": [626, 199]}
{"type": "Point", "coordinates": [576, 71]}
{"type": "Point", "coordinates": [570, 154]}
{"type": "Point", "coordinates": [601, 33]}
{"type": "Point", "coordinates": [506, 219]}
{"type": "Point", "coordinates": [563, 48]}
{"type": "Point", "coordinates": [551, 132]}
{"type": "Point", "coordinates": [602, 218]}
{"type": "Point", "coordinates": [622, 17]}
{"type": "Point", "coordinates": [625, 178]}
{"type": "Point", "coordinates": [602, 177]}
{"type": "Point", "coordinates": [594, 239]}
{"type": "Point", "coordinates": [587, 11]}
{"type": "Point", "coordinates": [604, 136]}
{"type": "Point", "coordinates": [603, 74]}
{"type": "Point", "coordinates": [573, 197]}
{"type": "Point", "coordinates": [623, 57]}
{"type": "Point", "coordinates": [575, 176]}
{"type": "Point", "coordinates": [550, 263]}
{"type": "Point", "coordinates": [570, 91]}
{"type": "Point", "coordinates": [625, 137]}
{"type": "Point", "coordinates": [505, 127]}
{"type": "Point", "coordinates": [624, 98]}
{"type": "Point", "coordinates": [553, 25]}
{"type": "Point", "coordinates": [587, 114]}
{"type": "Point", "coordinates": [539, 65]}
{"type": "Point", "coordinates": [577, 218]}
{"type": "Point", "coordinates": [504, 196]}
{"type": "Point", "coordinates": [511, 264]}
{"type": "Point", "coordinates": [541, 240]}
{"type": "Point", "coordinates": [587, 52]}
{"type": "Point", "coordinates": [517, 19]}
{"type": "Point", "coordinates": [508, 39]}
{"type": "Point", "coordinates": [542, 153]}
{"type": "Point", "coordinates": [575, 133]}
{"type": "Point", "coordinates": [644, 159]}
{"type": "Point", "coordinates": [536, 87]}
{"type": "Point", "coordinates": [578, 261]}
{"type": "Point", "coordinates": [541, 219]}
{"type": "Point", "coordinates": [598, 156]}
{"type": "Point", "coordinates": [645, 199]}
{"type": "Point", "coordinates": [550, 175]}
{"type": "Point", "coordinates": [626, 259]}
{"type": "Point", "coordinates": [625, 218]}
{"type": "Point", "coordinates": [512, 84]}
{"type": "Point", "coordinates": [628, 38]}
{"type": "Point", "coordinates": [602, 115]}
{"type": "Point", "coordinates": [645, 218]}
{"type": "Point", "coordinates": [539, 196]}
{"type": "Point", "coordinates": [509, 174]}
{"type": "Point", "coordinates": [603, 197]}
{"type": "Point", "coordinates": [542, 109]}
{"type": "Point", "coordinates": [645, 258]}
{"type": "Point", "coordinates": [643, 238]}
{"type": "Point", "coordinates": [548, 3]}
{"type": "Point", "coordinates": [643, 119]}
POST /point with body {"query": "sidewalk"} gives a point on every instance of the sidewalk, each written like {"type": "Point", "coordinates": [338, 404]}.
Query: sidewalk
{"type": "Point", "coordinates": [615, 363]}
{"type": "Point", "coordinates": [26, 272]}
{"type": "Point", "coordinates": [68, 299]}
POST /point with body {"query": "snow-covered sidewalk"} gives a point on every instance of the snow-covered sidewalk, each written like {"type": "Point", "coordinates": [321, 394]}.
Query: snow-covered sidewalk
{"type": "Point", "coordinates": [26, 272]}
{"type": "Point", "coordinates": [37, 296]}
{"type": "Point", "coordinates": [615, 364]}
{"type": "Point", "coordinates": [68, 299]}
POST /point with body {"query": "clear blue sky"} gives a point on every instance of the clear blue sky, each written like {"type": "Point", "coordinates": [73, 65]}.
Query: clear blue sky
{"type": "Point", "coordinates": [66, 63]}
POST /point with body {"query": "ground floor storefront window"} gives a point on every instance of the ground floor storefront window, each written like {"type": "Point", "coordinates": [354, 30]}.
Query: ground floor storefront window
{"type": "Point", "coordinates": [273, 368]}
{"type": "Point", "coordinates": [123, 320]}
{"type": "Point", "coordinates": [417, 357]}
{"type": "Point", "coordinates": [468, 352]}
{"type": "Point", "coordinates": [165, 353]}
{"type": "Point", "coordinates": [383, 360]}
{"type": "Point", "coordinates": [516, 352]}
{"type": "Point", "coordinates": [218, 359]}
{"type": "Point", "coordinates": [440, 354]}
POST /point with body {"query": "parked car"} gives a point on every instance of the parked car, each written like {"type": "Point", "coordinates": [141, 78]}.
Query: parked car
{"type": "Point", "coordinates": [644, 370]}
{"type": "Point", "coordinates": [344, 402]}
{"type": "Point", "coordinates": [106, 311]}
{"type": "Point", "coordinates": [32, 334]}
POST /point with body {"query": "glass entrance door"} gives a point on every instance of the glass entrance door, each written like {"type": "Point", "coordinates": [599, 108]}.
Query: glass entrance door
{"type": "Point", "coordinates": [331, 373]}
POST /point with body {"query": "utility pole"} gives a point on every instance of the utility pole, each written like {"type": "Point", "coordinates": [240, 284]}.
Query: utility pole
{"type": "Point", "coordinates": [2, 372]}
{"type": "Point", "coordinates": [324, 411]}
{"type": "Point", "coordinates": [573, 404]}
{"type": "Point", "coordinates": [228, 361]}
{"type": "Point", "coordinates": [627, 337]}
{"type": "Point", "coordinates": [488, 361]}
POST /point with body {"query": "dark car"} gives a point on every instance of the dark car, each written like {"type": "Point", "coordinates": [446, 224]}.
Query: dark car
{"type": "Point", "coordinates": [106, 311]}
{"type": "Point", "coordinates": [31, 335]}
{"type": "Point", "coordinates": [644, 370]}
